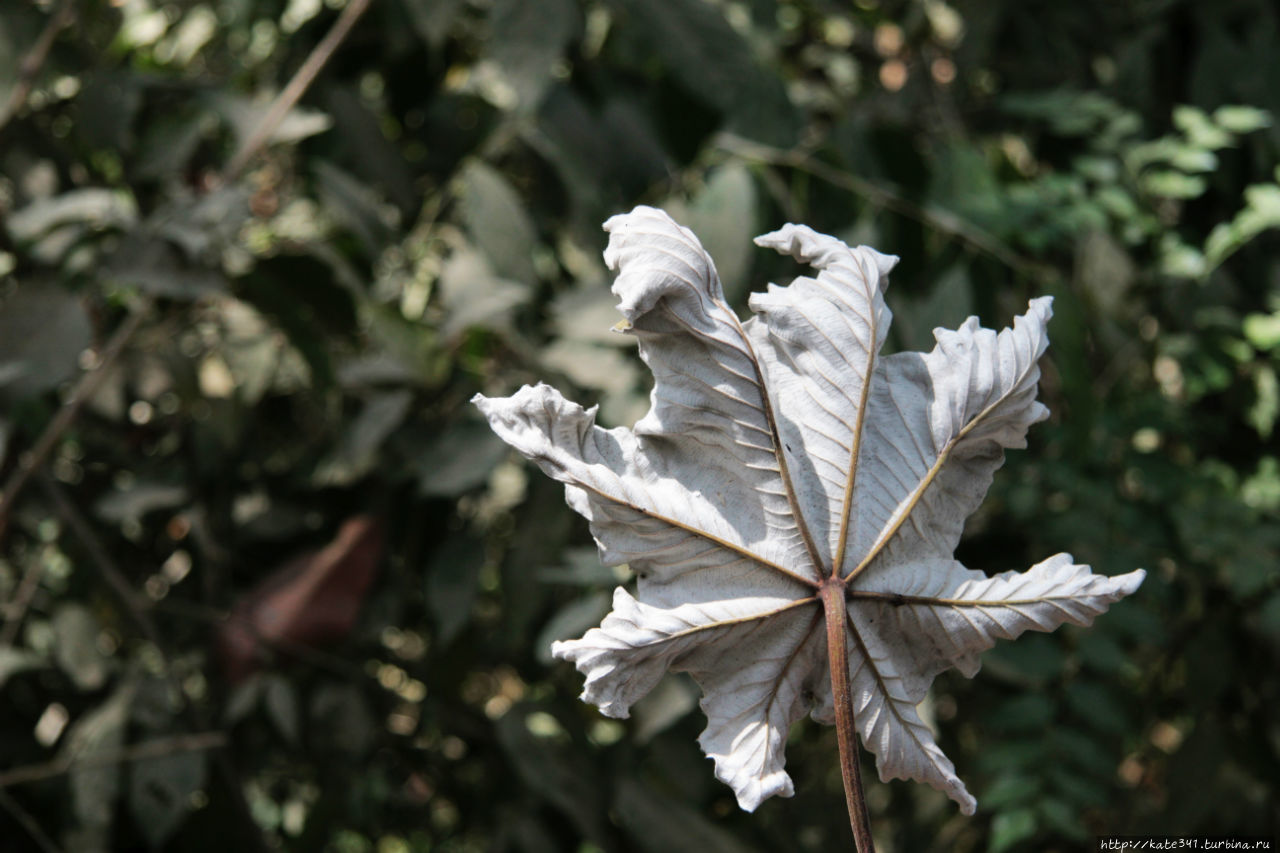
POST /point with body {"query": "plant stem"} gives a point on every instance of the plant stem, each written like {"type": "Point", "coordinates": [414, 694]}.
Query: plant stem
{"type": "Point", "coordinates": [295, 88]}
{"type": "Point", "coordinates": [29, 70]}
{"type": "Point", "coordinates": [833, 609]}
{"type": "Point", "coordinates": [85, 388]}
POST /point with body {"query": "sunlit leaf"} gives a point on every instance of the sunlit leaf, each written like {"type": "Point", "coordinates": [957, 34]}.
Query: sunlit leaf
{"type": "Point", "coordinates": [782, 457]}
{"type": "Point", "coordinates": [1239, 118]}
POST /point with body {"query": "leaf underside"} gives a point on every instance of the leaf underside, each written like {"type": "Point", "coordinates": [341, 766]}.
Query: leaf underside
{"type": "Point", "coordinates": [782, 453]}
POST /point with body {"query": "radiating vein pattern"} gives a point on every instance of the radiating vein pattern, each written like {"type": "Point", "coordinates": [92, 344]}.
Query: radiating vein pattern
{"type": "Point", "coordinates": [961, 405]}
{"type": "Point", "coordinates": [940, 614]}
{"type": "Point", "coordinates": [821, 336]}
{"type": "Point", "coordinates": [754, 658]}
{"type": "Point", "coordinates": [781, 459]}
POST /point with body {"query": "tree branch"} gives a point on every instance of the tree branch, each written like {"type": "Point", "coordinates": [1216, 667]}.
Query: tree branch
{"type": "Point", "coordinates": [155, 748]}
{"type": "Point", "coordinates": [22, 816]}
{"type": "Point", "coordinates": [295, 89]}
{"type": "Point", "coordinates": [942, 221]}
{"type": "Point", "coordinates": [35, 59]}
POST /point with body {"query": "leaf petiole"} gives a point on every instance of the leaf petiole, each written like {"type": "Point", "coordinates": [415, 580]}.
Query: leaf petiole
{"type": "Point", "coordinates": [832, 593]}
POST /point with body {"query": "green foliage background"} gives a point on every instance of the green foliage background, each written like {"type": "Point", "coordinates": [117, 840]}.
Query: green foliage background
{"type": "Point", "coordinates": [425, 225]}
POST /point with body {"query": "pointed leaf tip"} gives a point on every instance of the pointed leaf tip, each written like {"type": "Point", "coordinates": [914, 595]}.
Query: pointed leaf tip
{"type": "Point", "coordinates": [822, 251]}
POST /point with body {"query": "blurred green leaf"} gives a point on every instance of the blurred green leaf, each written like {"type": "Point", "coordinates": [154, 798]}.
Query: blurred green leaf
{"type": "Point", "coordinates": [244, 114]}
{"type": "Point", "coordinates": [527, 40]}
{"type": "Point", "coordinates": [140, 498]}
{"type": "Point", "coordinates": [94, 207]}
{"type": "Point", "coordinates": [675, 697]}
{"type": "Point", "coordinates": [154, 265]}
{"type": "Point", "coordinates": [303, 296]}
{"type": "Point", "coordinates": [1011, 790]}
{"type": "Point", "coordinates": [459, 459]}
{"type": "Point", "coordinates": [1033, 660]}
{"type": "Point", "coordinates": [98, 733]}
{"type": "Point", "coordinates": [1173, 184]}
{"type": "Point", "coordinates": [659, 824]}
{"type": "Point", "coordinates": [1241, 118]}
{"type": "Point", "coordinates": [1028, 712]}
{"type": "Point", "coordinates": [570, 621]}
{"type": "Point", "coordinates": [552, 771]}
{"type": "Point", "coordinates": [582, 567]}
{"type": "Point", "coordinates": [452, 582]}
{"type": "Point", "coordinates": [723, 215]}
{"type": "Point", "coordinates": [1199, 128]}
{"type": "Point", "coordinates": [355, 205]}
{"type": "Point", "coordinates": [432, 19]}
{"type": "Point", "coordinates": [14, 661]}
{"type": "Point", "coordinates": [498, 223]}
{"type": "Point", "coordinates": [76, 648]}
{"type": "Point", "coordinates": [1010, 828]}
{"type": "Point", "coordinates": [381, 415]}
{"type": "Point", "coordinates": [160, 792]}
{"type": "Point", "coordinates": [714, 61]}
{"type": "Point", "coordinates": [30, 362]}
{"type": "Point", "coordinates": [1263, 330]}
{"type": "Point", "coordinates": [280, 700]}
{"type": "Point", "coordinates": [1097, 706]}
{"type": "Point", "coordinates": [475, 296]}
{"type": "Point", "coordinates": [341, 720]}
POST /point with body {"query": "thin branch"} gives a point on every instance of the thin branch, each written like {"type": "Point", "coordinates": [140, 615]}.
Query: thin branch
{"type": "Point", "coordinates": [295, 89]}
{"type": "Point", "coordinates": [33, 460]}
{"type": "Point", "coordinates": [97, 552]}
{"type": "Point", "coordinates": [24, 817]}
{"type": "Point", "coordinates": [35, 59]}
{"type": "Point", "coordinates": [154, 748]}
{"type": "Point", "coordinates": [890, 199]}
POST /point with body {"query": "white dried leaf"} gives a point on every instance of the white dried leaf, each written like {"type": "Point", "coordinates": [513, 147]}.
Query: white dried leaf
{"type": "Point", "coordinates": [780, 452]}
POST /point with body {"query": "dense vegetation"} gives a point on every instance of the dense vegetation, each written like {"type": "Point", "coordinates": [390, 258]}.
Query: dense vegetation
{"type": "Point", "coordinates": [271, 584]}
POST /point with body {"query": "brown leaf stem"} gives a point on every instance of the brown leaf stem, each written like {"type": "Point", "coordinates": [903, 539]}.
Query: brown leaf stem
{"type": "Point", "coordinates": [833, 608]}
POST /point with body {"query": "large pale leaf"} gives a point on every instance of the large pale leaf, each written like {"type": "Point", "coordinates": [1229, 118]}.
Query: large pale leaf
{"type": "Point", "coordinates": [782, 455]}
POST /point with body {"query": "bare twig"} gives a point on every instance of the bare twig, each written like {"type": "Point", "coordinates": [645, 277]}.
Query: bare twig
{"type": "Point", "coordinates": [890, 199]}
{"type": "Point", "coordinates": [155, 748]}
{"type": "Point", "coordinates": [22, 816]}
{"type": "Point", "coordinates": [97, 552]}
{"type": "Point", "coordinates": [295, 89]}
{"type": "Point", "coordinates": [34, 60]}
{"type": "Point", "coordinates": [88, 385]}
